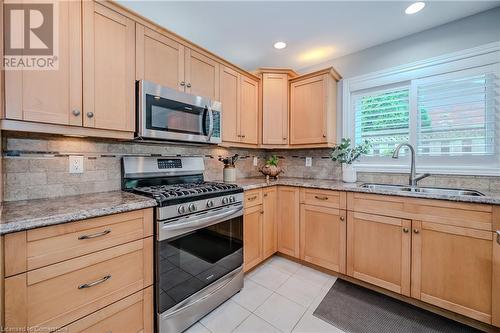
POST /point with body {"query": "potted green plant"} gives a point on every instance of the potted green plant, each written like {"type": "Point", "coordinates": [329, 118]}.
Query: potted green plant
{"type": "Point", "coordinates": [345, 155]}
{"type": "Point", "coordinates": [271, 168]}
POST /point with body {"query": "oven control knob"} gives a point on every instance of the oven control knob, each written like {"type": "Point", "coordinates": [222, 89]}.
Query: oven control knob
{"type": "Point", "coordinates": [181, 209]}
{"type": "Point", "coordinates": [192, 207]}
{"type": "Point", "coordinates": [232, 198]}
{"type": "Point", "coordinates": [225, 200]}
{"type": "Point", "coordinates": [210, 203]}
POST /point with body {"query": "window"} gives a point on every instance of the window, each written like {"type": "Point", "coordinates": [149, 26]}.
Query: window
{"type": "Point", "coordinates": [452, 120]}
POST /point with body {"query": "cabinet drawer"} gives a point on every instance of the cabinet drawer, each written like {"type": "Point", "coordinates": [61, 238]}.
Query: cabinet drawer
{"type": "Point", "coordinates": [45, 246]}
{"type": "Point", "coordinates": [131, 314]}
{"type": "Point", "coordinates": [59, 294]}
{"type": "Point", "coordinates": [253, 198]}
{"type": "Point", "coordinates": [323, 198]}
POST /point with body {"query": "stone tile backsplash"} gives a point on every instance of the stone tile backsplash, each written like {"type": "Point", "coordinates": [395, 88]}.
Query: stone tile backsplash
{"type": "Point", "coordinates": [36, 166]}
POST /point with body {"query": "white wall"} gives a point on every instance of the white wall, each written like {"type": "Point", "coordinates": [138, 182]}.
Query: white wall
{"type": "Point", "coordinates": [458, 35]}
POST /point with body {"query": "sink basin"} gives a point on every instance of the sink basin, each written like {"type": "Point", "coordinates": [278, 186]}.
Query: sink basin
{"type": "Point", "coordinates": [430, 190]}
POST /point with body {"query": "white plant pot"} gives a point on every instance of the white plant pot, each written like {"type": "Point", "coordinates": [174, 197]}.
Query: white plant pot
{"type": "Point", "coordinates": [229, 174]}
{"type": "Point", "coordinates": [348, 173]}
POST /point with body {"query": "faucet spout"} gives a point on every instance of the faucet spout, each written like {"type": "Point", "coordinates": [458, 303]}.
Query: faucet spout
{"type": "Point", "coordinates": [413, 178]}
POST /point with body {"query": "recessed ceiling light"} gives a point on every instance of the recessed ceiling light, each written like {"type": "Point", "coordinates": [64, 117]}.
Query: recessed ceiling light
{"type": "Point", "coordinates": [279, 45]}
{"type": "Point", "coordinates": [415, 8]}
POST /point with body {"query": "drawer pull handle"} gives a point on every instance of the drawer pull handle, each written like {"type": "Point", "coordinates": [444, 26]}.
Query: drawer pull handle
{"type": "Point", "coordinates": [252, 198]}
{"type": "Point", "coordinates": [321, 198]}
{"type": "Point", "coordinates": [498, 237]}
{"type": "Point", "coordinates": [99, 234]}
{"type": "Point", "coordinates": [95, 283]}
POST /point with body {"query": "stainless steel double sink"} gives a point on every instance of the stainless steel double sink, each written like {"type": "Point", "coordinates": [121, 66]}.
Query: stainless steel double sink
{"type": "Point", "coordinates": [430, 190]}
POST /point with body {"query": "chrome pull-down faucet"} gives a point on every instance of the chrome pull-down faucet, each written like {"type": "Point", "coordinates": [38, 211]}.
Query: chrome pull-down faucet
{"type": "Point", "coordinates": [413, 177]}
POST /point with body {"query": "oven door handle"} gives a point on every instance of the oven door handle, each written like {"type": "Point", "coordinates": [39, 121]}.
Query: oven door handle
{"type": "Point", "coordinates": [172, 229]}
{"type": "Point", "coordinates": [210, 124]}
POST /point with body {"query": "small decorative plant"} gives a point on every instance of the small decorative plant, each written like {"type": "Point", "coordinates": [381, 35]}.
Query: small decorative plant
{"type": "Point", "coordinates": [344, 154]}
{"type": "Point", "coordinates": [271, 168]}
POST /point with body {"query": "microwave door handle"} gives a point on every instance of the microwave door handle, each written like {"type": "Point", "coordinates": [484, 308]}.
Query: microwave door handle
{"type": "Point", "coordinates": [211, 123]}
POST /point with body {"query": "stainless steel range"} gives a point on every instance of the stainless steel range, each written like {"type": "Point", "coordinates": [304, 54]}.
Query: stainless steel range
{"type": "Point", "coordinates": [199, 237]}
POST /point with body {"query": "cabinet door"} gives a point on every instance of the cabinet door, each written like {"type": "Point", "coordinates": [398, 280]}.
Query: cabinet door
{"type": "Point", "coordinates": [269, 228]}
{"type": "Point", "coordinates": [275, 109]}
{"type": "Point", "coordinates": [202, 75]}
{"type": "Point", "coordinates": [308, 110]}
{"type": "Point", "coordinates": [288, 220]}
{"type": "Point", "coordinates": [323, 237]}
{"type": "Point", "coordinates": [495, 320]}
{"type": "Point", "coordinates": [51, 96]}
{"type": "Point", "coordinates": [452, 268]}
{"type": "Point", "coordinates": [249, 110]}
{"type": "Point", "coordinates": [379, 251]}
{"type": "Point", "coordinates": [159, 59]}
{"type": "Point", "coordinates": [108, 68]}
{"type": "Point", "coordinates": [252, 237]}
{"type": "Point", "coordinates": [230, 97]}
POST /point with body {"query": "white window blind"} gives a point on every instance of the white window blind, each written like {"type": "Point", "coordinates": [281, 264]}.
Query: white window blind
{"type": "Point", "coordinates": [382, 118]}
{"type": "Point", "coordinates": [457, 114]}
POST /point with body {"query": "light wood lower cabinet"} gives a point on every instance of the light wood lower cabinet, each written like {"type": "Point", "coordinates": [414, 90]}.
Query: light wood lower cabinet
{"type": "Point", "coordinates": [269, 225]}
{"type": "Point", "coordinates": [452, 268]}
{"type": "Point", "coordinates": [252, 237]}
{"type": "Point", "coordinates": [495, 306]}
{"type": "Point", "coordinates": [132, 314]}
{"type": "Point", "coordinates": [323, 237]}
{"type": "Point", "coordinates": [289, 220]}
{"type": "Point", "coordinates": [379, 251]}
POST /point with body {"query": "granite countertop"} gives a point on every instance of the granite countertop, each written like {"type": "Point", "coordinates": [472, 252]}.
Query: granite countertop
{"type": "Point", "coordinates": [492, 198]}
{"type": "Point", "coordinates": [30, 214]}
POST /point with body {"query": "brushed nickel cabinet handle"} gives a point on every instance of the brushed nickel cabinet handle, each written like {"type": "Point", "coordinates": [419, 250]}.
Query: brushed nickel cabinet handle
{"type": "Point", "coordinates": [498, 237]}
{"type": "Point", "coordinates": [252, 198]}
{"type": "Point", "coordinates": [76, 112]}
{"type": "Point", "coordinates": [324, 135]}
{"type": "Point", "coordinates": [261, 212]}
{"type": "Point", "coordinates": [90, 114]}
{"type": "Point", "coordinates": [406, 230]}
{"type": "Point", "coordinates": [99, 234]}
{"type": "Point", "coordinates": [342, 218]}
{"type": "Point", "coordinates": [188, 85]}
{"type": "Point", "coordinates": [265, 194]}
{"type": "Point", "coordinates": [94, 283]}
{"type": "Point", "coordinates": [416, 231]}
{"type": "Point", "coordinates": [183, 83]}
{"type": "Point", "coordinates": [321, 198]}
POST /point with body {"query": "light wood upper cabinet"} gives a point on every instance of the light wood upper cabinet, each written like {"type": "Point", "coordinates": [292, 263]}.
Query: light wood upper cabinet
{"type": "Point", "coordinates": [274, 109]}
{"type": "Point", "coordinates": [249, 110]}
{"type": "Point", "coordinates": [452, 268]}
{"type": "Point", "coordinates": [202, 75]}
{"type": "Point", "coordinates": [230, 99]}
{"type": "Point", "coordinates": [289, 220]}
{"type": "Point", "coordinates": [379, 250]}
{"type": "Point", "coordinates": [323, 237]}
{"type": "Point", "coordinates": [313, 108]}
{"type": "Point", "coordinates": [240, 109]}
{"type": "Point", "coordinates": [269, 225]}
{"type": "Point", "coordinates": [108, 68]}
{"type": "Point", "coordinates": [252, 237]}
{"type": "Point", "coordinates": [159, 59]}
{"type": "Point", "coordinates": [51, 96]}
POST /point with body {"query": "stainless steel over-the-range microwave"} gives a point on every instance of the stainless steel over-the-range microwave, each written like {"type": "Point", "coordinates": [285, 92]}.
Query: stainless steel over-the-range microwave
{"type": "Point", "coordinates": [168, 114]}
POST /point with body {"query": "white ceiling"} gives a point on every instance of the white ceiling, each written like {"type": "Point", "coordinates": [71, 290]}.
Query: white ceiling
{"type": "Point", "coordinates": [244, 32]}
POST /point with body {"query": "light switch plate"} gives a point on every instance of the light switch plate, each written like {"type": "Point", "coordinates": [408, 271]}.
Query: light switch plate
{"type": "Point", "coordinates": [309, 162]}
{"type": "Point", "coordinates": [255, 161]}
{"type": "Point", "coordinates": [76, 164]}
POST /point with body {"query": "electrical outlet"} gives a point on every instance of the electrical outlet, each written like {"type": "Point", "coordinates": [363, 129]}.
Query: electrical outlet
{"type": "Point", "coordinates": [255, 161]}
{"type": "Point", "coordinates": [309, 162]}
{"type": "Point", "coordinates": [76, 164]}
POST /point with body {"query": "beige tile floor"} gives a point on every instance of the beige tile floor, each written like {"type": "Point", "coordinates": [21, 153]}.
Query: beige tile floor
{"type": "Point", "coordinates": [279, 296]}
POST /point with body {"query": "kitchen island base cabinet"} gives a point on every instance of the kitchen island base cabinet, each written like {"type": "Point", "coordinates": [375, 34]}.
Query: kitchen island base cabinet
{"type": "Point", "coordinates": [289, 220]}
{"type": "Point", "coordinates": [379, 251]}
{"type": "Point", "coordinates": [452, 268]}
{"type": "Point", "coordinates": [323, 237]}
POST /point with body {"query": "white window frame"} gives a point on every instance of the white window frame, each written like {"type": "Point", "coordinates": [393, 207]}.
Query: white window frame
{"type": "Point", "coordinates": [409, 75]}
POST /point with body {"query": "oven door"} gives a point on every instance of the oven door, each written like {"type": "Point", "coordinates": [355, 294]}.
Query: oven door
{"type": "Point", "coordinates": [194, 252]}
{"type": "Point", "coordinates": [169, 114]}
